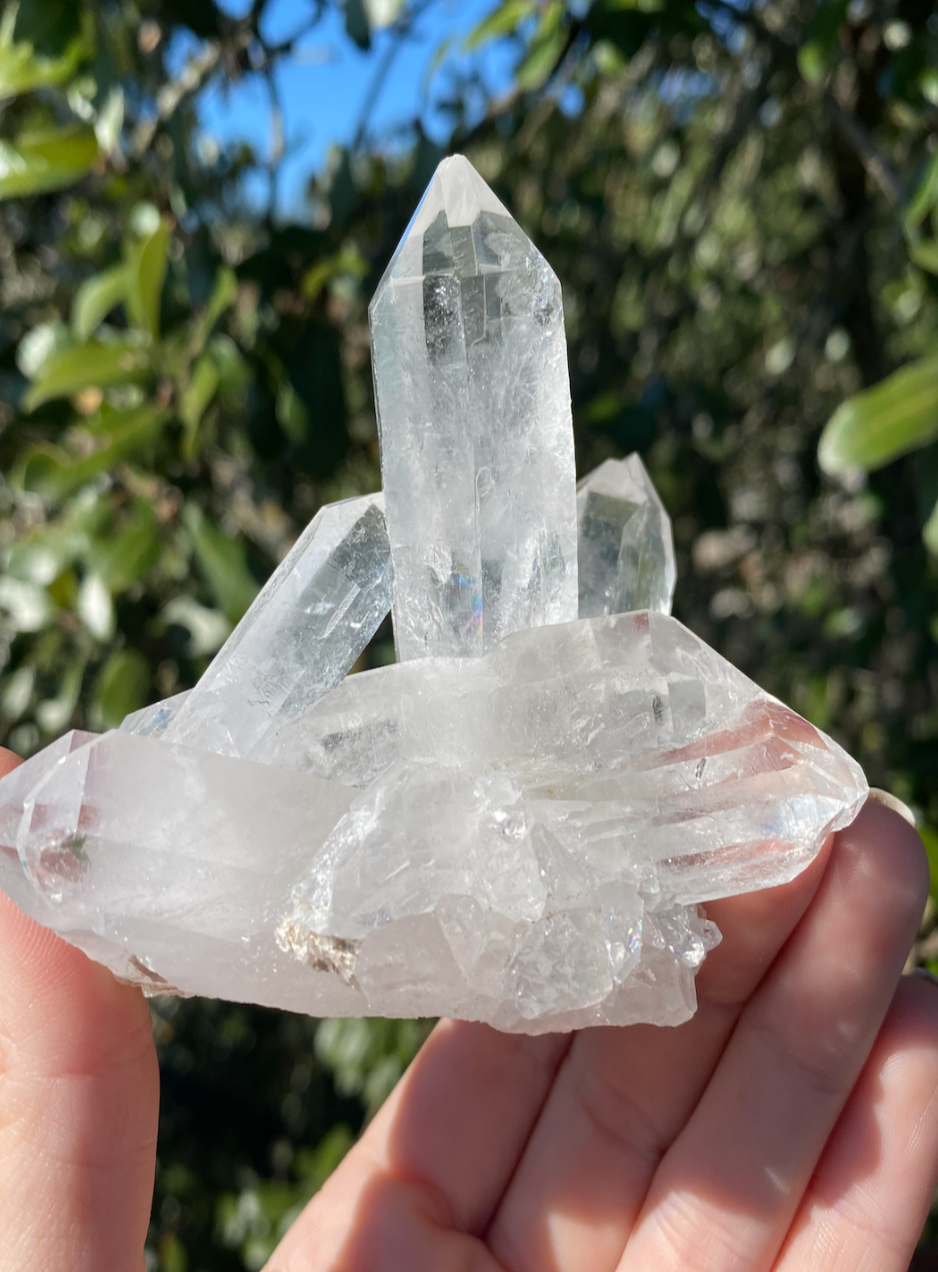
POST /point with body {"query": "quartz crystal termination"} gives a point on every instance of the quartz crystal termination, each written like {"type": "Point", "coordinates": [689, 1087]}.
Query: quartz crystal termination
{"type": "Point", "coordinates": [301, 636]}
{"type": "Point", "coordinates": [625, 546]}
{"type": "Point", "coordinates": [475, 425]}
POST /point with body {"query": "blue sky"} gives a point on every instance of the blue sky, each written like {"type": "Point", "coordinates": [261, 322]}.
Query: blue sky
{"type": "Point", "coordinates": [323, 86]}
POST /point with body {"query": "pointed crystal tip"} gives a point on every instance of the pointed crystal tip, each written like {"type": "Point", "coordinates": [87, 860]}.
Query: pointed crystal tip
{"type": "Point", "coordinates": [459, 193]}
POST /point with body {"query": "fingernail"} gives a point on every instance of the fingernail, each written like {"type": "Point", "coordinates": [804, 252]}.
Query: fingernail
{"type": "Point", "coordinates": [925, 974]}
{"type": "Point", "coordinates": [890, 801]}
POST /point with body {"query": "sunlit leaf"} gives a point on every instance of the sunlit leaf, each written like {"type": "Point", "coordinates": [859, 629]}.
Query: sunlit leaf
{"type": "Point", "coordinates": [546, 48]}
{"type": "Point", "coordinates": [146, 265]}
{"type": "Point", "coordinates": [55, 714]}
{"type": "Point", "coordinates": [46, 160]}
{"type": "Point", "coordinates": [876, 426]}
{"type": "Point", "coordinates": [95, 299]}
{"type": "Point", "coordinates": [223, 564]}
{"type": "Point", "coordinates": [97, 363]}
{"type": "Point", "coordinates": [503, 19]}
{"type": "Point", "coordinates": [95, 607]}
{"type": "Point", "coordinates": [22, 69]}
{"type": "Point", "coordinates": [110, 121]}
{"type": "Point", "coordinates": [29, 606]}
{"type": "Point", "coordinates": [39, 344]}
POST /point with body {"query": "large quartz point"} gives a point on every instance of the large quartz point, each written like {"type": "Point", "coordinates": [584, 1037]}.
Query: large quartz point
{"type": "Point", "coordinates": [474, 418]}
{"type": "Point", "coordinates": [519, 821]}
{"type": "Point", "coordinates": [301, 636]}
{"type": "Point", "coordinates": [625, 546]}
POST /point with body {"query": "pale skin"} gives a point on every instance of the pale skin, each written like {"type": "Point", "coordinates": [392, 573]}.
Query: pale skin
{"type": "Point", "coordinates": [791, 1125]}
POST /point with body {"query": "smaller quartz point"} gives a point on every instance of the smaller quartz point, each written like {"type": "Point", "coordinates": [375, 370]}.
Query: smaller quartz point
{"type": "Point", "coordinates": [153, 721]}
{"type": "Point", "coordinates": [172, 866]}
{"type": "Point", "coordinates": [475, 424]}
{"type": "Point", "coordinates": [625, 547]}
{"type": "Point", "coordinates": [301, 636]}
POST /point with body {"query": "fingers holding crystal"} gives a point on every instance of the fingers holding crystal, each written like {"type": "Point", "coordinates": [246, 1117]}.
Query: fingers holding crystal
{"type": "Point", "coordinates": [869, 1197]}
{"type": "Point", "coordinates": [729, 1186]}
{"type": "Point", "coordinates": [623, 1095]}
{"type": "Point", "coordinates": [78, 1106]}
{"type": "Point", "coordinates": [433, 1164]}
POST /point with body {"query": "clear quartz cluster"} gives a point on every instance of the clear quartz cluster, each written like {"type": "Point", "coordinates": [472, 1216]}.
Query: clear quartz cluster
{"type": "Point", "coordinates": [519, 821]}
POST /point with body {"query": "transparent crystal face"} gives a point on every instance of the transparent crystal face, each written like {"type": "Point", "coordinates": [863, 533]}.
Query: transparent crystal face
{"type": "Point", "coordinates": [625, 545]}
{"type": "Point", "coordinates": [475, 425]}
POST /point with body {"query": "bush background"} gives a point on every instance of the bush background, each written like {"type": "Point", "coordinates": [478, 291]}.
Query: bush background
{"type": "Point", "coordinates": [737, 199]}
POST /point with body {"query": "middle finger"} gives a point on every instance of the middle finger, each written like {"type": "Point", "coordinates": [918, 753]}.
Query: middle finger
{"type": "Point", "coordinates": [622, 1095]}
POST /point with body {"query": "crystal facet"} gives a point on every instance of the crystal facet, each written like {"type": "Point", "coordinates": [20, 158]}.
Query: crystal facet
{"type": "Point", "coordinates": [519, 821]}
{"type": "Point", "coordinates": [474, 417]}
{"type": "Point", "coordinates": [625, 547]}
{"type": "Point", "coordinates": [301, 636]}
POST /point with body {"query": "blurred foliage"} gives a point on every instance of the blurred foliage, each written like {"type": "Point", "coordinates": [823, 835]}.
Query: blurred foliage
{"type": "Point", "coordinates": [740, 201]}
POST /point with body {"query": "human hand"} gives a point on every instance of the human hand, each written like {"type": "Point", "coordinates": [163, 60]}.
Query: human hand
{"type": "Point", "coordinates": [791, 1124]}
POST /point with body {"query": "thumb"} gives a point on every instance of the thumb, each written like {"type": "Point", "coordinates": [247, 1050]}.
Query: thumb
{"type": "Point", "coordinates": [79, 1103]}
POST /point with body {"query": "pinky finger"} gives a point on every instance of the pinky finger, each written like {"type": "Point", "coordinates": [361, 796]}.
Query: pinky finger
{"type": "Point", "coordinates": [868, 1200]}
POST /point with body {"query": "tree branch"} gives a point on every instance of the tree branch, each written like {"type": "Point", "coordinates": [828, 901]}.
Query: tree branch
{"type": "Point", "coordinates": [866, 150]}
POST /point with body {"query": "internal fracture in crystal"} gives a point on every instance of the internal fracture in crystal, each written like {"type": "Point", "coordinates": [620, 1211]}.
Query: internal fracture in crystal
{"type": "Point", "coordinates": [475, 425]}
{"type": "Point", "coordinates": [625, 547]}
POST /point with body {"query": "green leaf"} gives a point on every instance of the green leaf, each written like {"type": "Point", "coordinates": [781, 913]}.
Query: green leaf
{"type": "Point", "coordinates": [51, 471]}
{"type": "Point", "coordinates": [22, 69]}
{"type": "Point", "coordinates": [39, 344]}
{"type": "Point", "coordinates": [546, 48]}
{"type": "Point", "coordinates": [930, 532]}
{"type": "Point", "coordinates": [55, 714]}
{"type": "Point", "coordinates": [95, 299]}
{"type": "Point", "coordinates": [95, 607]}
{"type": "Point", "coordinates": [46, 160]}
{"type": "Point", "coordinates": [223, 564]}
{"type": "Point", "coordinates": [223, 296]}
{"type": "Point", "coordinates": [503, 19]}
{"type": "Point", "coordinates": [30, 607]}
{"type": "Point", "coordinates": [924, 198]}
{"type": "Point", "coordinates": [925, 254]}
{"type": "Point", "coordinates": [898, 415]}
{"type": "Point", "coordinates": [123, 686]}
{"type": "Point", "coordinates": [146, 265]}
{"type": "Point", "coordinates": [202, 386]}
{"type": "Point", "coordinates": [125, 559]}
{"type": "Point", "coordinates": [816, 52]}
{"type": "Point", "coordinates": [49, 25]}
{"type": "Point", "coordinates": [97, 363]}
{"type": "Point", "coordinates": [110, 120]}
{"type": "Point", "coordinates": [357, 26]}
{"type": "Point", "coordinates": [930, 840]}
